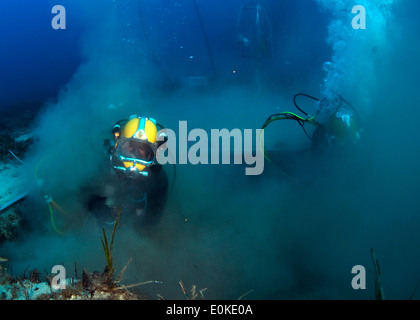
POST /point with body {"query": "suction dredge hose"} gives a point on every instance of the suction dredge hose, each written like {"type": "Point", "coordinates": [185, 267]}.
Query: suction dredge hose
{"type": "Point", "coordinates": [290, 116]}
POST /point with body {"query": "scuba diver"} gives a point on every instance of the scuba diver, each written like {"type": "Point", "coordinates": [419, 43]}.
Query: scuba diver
{"type": "Point", "coordinates": [137, 185]}
{"type": "Point", "coordinates": [336, 123]}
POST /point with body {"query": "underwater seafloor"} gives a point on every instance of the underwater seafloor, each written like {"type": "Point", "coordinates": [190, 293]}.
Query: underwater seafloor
{"type": "Point", "coordinates": [295, 231]}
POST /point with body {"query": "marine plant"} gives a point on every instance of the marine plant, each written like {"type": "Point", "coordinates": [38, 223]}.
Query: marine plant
{"type": "Point", "coordinates": [108, 247]}
{"type": "Point", "coordinates": [379, 291]}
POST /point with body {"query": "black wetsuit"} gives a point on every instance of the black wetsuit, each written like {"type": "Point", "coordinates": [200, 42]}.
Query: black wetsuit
{"type": "Point", "coordinates": [141, 199]}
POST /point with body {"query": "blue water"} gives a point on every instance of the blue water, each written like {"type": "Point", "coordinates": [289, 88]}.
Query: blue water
{"type": "Point", "coordinates": [284, 236]}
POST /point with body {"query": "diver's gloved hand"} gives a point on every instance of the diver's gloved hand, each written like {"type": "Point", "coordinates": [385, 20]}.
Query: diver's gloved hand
{"type": "Point", "coordinates": [109, 202]}
{"type": "Point", "coordinates": [104, 213]}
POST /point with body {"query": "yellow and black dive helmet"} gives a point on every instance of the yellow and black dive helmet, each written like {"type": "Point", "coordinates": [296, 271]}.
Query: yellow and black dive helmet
{"type": "Point", "coordinates": [135, 146]}
{"type": "Point", "coordinates": [343, 126]}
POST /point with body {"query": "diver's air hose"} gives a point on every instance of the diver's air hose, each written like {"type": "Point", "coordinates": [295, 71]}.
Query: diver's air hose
{"type": "Point", "coordinates": [305, 95]}
{"type": "Point", "coordinates": [153, 55]}
{"type": "Point", "coordinates": [287, 115]}
{"type": "Point", "coordinates": [49, 200]}
{"type": "Point", "coordinates": [205, 38]}
{"type": "Point", "coordinates": [52, 220]}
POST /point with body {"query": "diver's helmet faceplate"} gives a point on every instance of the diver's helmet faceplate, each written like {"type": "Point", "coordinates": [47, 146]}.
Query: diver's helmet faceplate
{"type": "Point", "coordinates": [135, 147]}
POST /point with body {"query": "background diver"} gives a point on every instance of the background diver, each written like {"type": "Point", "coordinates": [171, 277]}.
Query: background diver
{"type": "Point", "coordinates": [135, 182]}
{"type": "Point", "coordinates": [336, 126]}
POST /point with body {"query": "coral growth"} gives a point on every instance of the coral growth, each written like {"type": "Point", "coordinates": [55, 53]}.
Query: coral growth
{"type": "Point", "coordinates": [91, 286]}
